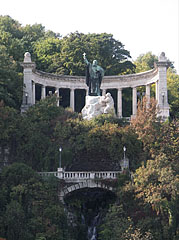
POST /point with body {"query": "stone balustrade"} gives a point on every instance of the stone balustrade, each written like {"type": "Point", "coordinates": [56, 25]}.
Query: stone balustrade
{"type": "Point", "coordinates": [70, 176]}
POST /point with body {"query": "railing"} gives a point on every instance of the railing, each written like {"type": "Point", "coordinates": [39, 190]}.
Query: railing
{"type": "Point", "coordinates": [48, 174]}
{"type": "Point", "coordinates": [81, 175]}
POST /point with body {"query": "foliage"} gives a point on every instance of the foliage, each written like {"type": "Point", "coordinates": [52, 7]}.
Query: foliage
{"type": "Point", "coordinates": [30, 35]}
{"type": "Point", "coordinates": [8, 123]}
{"type": "Point", "coordinates": [108, 118]}
{"type": "Point", "coordinates": [35, 137]}
{"type": "Point", "coordinates": [100, 142]}
{"type": "Point", "coordinates": [145, 62]}
{"type": "Point", "coordinates": [157, 137]}
{"type": "Point", "coordinates": [115, 224]}
{"type": "Point", "coordinates": [10, 35]}
{"type": "Point", "coordinates": [169, 143]}
{"type": "Point", "coordinates": [146, 124]}
{"type": "Point", "coordinates": [156, 181]}
{"type": "Point", "coordinates": [157, 185]}
{"type": "Point", "coordinates": [29, 206]}
{"type": "Point", "coordinates": [109, 53]}
{"type": "Point", "coordinates": [118, 226]}
{"type": "Point", "coordinates": [173, 92]}
{"type": "Point", "coordinates": [10, 89]}
{"type": "Point", "coordinates": [47, 52]}
{"type": "Point", "coordinates": [146, 208]}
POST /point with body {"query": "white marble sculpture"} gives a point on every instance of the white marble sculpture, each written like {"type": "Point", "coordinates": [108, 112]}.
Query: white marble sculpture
{"type": "Point", "coordinates": [97, 105]}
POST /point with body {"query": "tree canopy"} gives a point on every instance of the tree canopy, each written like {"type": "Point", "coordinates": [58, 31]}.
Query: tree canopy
{"type": "Point", "coordinates": [145, 62]}
{"type": "Point", "coordinates": [29, 206]}
{"type": "Point", "coordinates": [53, 53]}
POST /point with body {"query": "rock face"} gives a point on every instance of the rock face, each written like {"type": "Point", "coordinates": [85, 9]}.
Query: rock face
{"type": "Point", "coordinates": [97, 105]}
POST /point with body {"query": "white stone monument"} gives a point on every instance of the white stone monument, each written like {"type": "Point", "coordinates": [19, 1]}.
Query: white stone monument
{"type": "Point", "coordinates": [97, 105]}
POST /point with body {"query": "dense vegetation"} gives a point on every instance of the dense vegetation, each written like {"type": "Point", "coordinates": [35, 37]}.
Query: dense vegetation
{"type": "Point", "coordinates": [146, 207]}
{"type": "Point", "coordinates": [30, 208]}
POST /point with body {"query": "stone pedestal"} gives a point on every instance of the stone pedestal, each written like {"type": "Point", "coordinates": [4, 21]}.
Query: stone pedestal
{"type": "Point", "coordinates": [60, 172]}
{"type": "Point", "coordinates": [97, 105]}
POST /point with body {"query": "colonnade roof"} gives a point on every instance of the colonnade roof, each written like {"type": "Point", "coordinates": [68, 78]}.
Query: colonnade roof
{"type": "Point", "coordinates": [117, 81]}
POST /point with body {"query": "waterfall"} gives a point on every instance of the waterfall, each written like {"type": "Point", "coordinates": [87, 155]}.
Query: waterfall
{"type": "Point", "coordinates": [85, 210]}
{"type": "Point", "coordinates": [92, 234]}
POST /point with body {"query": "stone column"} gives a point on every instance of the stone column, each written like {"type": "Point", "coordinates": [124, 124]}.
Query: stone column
{"type": "Point", "coordinates": [28, 66]}
{"type": "Point", "coordinates": [134, 101]}
{"type": "Point", "coordinates": [72, 99]}
{"type": "Point", "coordinates": [43, 92]}
{"type": "Point", "coordinates": [148, 94]}
{"type": "Point", "coordinates": [119, 102]}
{"type": "Point", "coordinates": [33, 92]}
{"type": "Point", "coordinates": [162, 93]}
{"type": "Point", "coordinates": [57, 94]}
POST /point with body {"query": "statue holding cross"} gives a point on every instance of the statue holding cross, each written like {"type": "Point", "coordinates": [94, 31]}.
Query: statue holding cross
{"type": "Point", "coordinates": [94, 75]}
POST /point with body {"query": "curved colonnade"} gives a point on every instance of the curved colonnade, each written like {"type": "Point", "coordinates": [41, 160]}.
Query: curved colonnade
{"type": "Point", "coordinates": [33, 77]}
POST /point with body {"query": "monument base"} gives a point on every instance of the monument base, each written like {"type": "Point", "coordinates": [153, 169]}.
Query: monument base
{"type": "Point", "coordinates": [97, 105]}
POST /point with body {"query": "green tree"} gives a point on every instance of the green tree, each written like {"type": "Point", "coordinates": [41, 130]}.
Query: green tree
{"type": "Point", "coordinates": [157, 185]}
{"type": "Point", "coordinates": [35, 137]}
{"type": "Point", "coordinates": [10, 37]}
{"type": "Point", "coordinates": [168, 143]}
{"type": "Point", "coordinates": [8, 124]}
{"type": "Point", "coordinates": [109, 53]}
{"type": "Point", "coordinates": [30, 35]}
{"type": "Point", "coordinates": [14, 220]}
{"type": "Point", "coordinates": [145, 62]}
{"type": "Point", "coordinates": [30, 208]}
{"type": "Point", "coordinates": [173, 92]}
{"type": "Point", "coordinates": [10, 80]}
{"type": "Point", "coordinates": [100, 141]}
{"type": "Point", "coordinates": [35, 142]}
{"type": "Point", "coordinates": [47, 51]}
{"type": "Point", "coordinates": [147, 125]}
{"type": "Point", "coordinates": [115, 224]}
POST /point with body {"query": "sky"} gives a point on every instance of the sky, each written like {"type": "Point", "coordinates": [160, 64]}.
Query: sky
{"type": "Point", "coordinates": [141, 25]}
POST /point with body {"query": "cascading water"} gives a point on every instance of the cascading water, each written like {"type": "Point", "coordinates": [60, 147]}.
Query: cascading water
{"type": "Point", "coordinates": [86, 209]}
{"type": "Point", "coordinates": [92, 234]}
